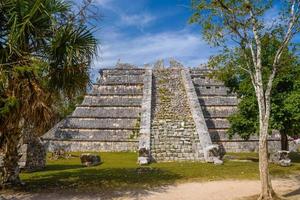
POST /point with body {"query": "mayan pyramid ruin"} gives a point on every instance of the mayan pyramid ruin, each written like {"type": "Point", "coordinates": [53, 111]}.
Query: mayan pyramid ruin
{"type": "Point", "coordinates": [165, 113]}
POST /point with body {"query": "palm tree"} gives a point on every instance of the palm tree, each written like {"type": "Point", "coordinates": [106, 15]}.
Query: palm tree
{"type": "Point", "coordinates": [45, 54]}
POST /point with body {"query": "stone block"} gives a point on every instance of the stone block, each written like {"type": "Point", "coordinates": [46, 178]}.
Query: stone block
{"type": "Point", "coordinates": [212, 90]}
{"type": "Point", "coordinates": [218, 100]}
{"type": "Point", "coordinates": [107, 112]}
{"type": "Point", "coordinates": [218, 111]}
{"type": "Point", "coordinates": [122, 79]}
{"type": "Point", "coordinates": [217, 123]}
{"type": "Point", "coordinates": [90, 159]}
{"type": "Point", "coordinates": [143, 160]}
{"type": "Point", "coordinates": [118, 89]}
{"type": "Point", "coordinates": [90, 100]}
{"type": "Point", "coordinates": [95, 134]}
{"type": "Point", "coordinates": [96, 123]}
{"type": "Point", "coordinates": [281, 158]}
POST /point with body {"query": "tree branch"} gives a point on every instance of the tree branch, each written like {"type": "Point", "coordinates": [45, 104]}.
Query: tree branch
{"type": "Point", "coordinates": [294, 16]}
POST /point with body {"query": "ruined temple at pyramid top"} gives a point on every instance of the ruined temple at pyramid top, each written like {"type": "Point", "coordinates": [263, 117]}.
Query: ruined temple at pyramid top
{"type": "Point", "coordinates": [168, 113]}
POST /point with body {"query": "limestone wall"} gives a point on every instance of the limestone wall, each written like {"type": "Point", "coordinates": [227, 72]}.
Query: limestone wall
{"type": "Point", "coordinates": [87, 145]}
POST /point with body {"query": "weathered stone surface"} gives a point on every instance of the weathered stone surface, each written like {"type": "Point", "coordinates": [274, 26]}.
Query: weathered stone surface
{"type": "Point", "coordinates": [90, 160]}
{"type": "Point", "coordinates": [143, 160]}
{"type": "Point", "coordinates": [96, 134]}
{"type": "Point", "coordinates": [212, 90]}
{"type": "Point", "coordinates": [249, 145]}
{"type": "Point", "coordinates": [108, 119]}
{"type": "Point", "coordinates": [218, 111]}
{"type": "Point", "coordinates": [96, 123]}
{"type": "Point", "coordinates": [88, 146]}
{"type": "Point", "coordinates": [217, 123]}
{"type": "Point", "coordinates": [173, 132]}
{"type": "Point", "coordinates": [214, 154]}
{"type": "Point", "coordinates": [118, 89]}
{"type": "Point", "coordinates": [204, 80]}
{"type": "Point", "coordinates": [107, 112]}
{"type": "Point", "coordinates": [197, 113]}
{"type": "Point", "coordinates": [112, 100]}
{"type": "Point", "coordinates": [281, 158]}
{"type": "Point", "coordinates": [218, 100]}
{"type": "Point", "coordinates": [145, 126]}
{"type": "Point", "coordinates": [122, 79]}
{"type": "Point", "coordinates": [35, 155]}
{"type": "Point", "coordinates": [118, 71]}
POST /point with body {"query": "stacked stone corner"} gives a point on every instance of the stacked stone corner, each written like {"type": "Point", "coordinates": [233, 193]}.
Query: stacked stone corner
{"type": "Point", "coordinates": [109, 117]}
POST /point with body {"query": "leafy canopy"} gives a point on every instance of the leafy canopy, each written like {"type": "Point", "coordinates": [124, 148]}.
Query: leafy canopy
{"type": "Point", "coordinates": [45, 52]}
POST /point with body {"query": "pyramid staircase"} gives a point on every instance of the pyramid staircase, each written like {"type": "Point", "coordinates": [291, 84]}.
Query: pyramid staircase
{"type": "Point", "coordinates": [108, 119]}
{"type": "Point", "coordinates": [173, 132]}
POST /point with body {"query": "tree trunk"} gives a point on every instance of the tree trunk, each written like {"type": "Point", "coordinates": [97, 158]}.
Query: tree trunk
{"type": "Point", "coordinates": [267, 192]}
{"type": "Point", "coordinates": [11, 170]}
{"type": "Point", "coordinates": [284, 141]}
{"type": "Point", "coordinates": [264, 105]}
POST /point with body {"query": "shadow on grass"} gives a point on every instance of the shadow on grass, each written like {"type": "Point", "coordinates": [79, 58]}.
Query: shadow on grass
{"type": "Point", "coordinates": [62, 167]}
{"type": "Point", "coordinates": [109, 182]}
{"type": "Point", "coordinates": [294, 192]}
{"type": "Point", "coordinates": [295, 157]}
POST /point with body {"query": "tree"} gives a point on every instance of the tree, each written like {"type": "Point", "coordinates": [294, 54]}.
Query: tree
{"type": "Point", "coordinates": [233, 23]}
{"type": "Point", "coordinates": [45, 52]}
{"type": "Point", "coordinates": [286, 85]}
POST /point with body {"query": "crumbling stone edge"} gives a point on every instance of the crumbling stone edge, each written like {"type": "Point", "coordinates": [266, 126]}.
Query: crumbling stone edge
{"type": "Point", "coordinates": [145, 126]}
{"type": "Point", "coordinates": [210, 151]}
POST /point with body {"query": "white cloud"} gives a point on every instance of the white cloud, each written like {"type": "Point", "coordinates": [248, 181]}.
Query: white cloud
{"type": "Point", "coordinates": [138, 20]}
{"type": "Point", "coordinates": [183, 45]}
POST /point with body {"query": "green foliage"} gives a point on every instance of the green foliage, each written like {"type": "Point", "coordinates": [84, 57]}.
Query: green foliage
{"type": "Point", "coordinates": [7, 105]}
{"type": "Point", "coordinates": [66, 107]}
{"type": "Point", "coordinates": [45, 54]}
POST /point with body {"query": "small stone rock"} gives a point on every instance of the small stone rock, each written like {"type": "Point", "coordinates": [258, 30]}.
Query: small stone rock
{"type": "Point", "coordinates": [90, 160]}
{"type": "Point", "coordinates": [143, 160]}
{"type": "Point", "coordinates": [281, 158]}
{"type": "Point", "coordinates": [285, 162]}
{"type": "Point", "coordinates": [217, 161]}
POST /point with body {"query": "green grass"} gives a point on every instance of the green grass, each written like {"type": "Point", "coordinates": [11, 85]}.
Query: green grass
{"type": "Point", "coordinates": [119, 171]}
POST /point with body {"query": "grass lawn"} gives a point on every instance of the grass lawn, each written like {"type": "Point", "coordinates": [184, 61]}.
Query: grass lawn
{"type": "Point", "coordinates": [119, 171]}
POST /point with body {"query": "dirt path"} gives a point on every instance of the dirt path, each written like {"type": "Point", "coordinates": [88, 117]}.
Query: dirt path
{"type": "Point", "coordinates": [214, 190]}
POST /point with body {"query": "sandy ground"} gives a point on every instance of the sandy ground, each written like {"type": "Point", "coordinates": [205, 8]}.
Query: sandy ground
{"type": "Point", "coordinates": [214, 190]}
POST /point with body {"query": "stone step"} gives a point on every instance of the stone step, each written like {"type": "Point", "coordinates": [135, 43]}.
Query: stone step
{"type": "Point", "coordinates": [218, 134]}
{"type": "Point", "coordinates": [222, 135]}
{"type": "Point", "coordinates": [122, 79]}
{"type": "Point", "coordinates": [98, 123]}
{"type": "Point", "coordinates": [112, 100]}
{"type": "Point", "coordinates": [204, 80]}
{"type": "Point", "coordinates": [114, 95]}
{"type": "Point", "coordinates": [218, 111]}
{"type": "Point", "coordinates": [212, 90]}
{"type": "Point", "coordinates": [118, 89]}
{"type": "Point", "coordinates": [200, 72]}
{"type": "Point", "coordinates": [106, 112]}
{"type": "Point", "coordinates": [117, 72]}
{"type": "Point", "coordinates": [218, 100]}
{"type": "Point", "coordinates": [217, 123]}
{"type": "Point", "coordinates": [95, 134]}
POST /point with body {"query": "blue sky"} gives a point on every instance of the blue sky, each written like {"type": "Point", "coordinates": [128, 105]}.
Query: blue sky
{"type": "Point", "coordinates": [143, 31]}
